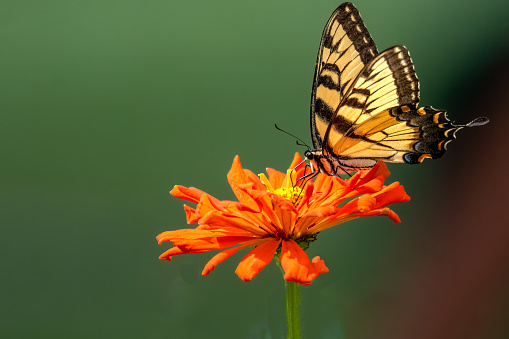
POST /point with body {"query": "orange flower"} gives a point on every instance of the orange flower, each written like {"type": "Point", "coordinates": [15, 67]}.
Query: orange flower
{"type": "Point", "coordinates": [273, 215]}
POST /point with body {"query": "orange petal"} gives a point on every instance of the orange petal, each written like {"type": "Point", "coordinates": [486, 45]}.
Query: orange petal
{"type": "Point", "coordinates": [257, 183]}
{"type": "Point", "coordinates": [237, 206]}
{"type": "Point", "coordinates": [184, 233]}
{"type": "Point", "coordinates": [382, 211]}
{"type": "Point", "coordinates": [320, 212]}
{"type": "Point", "coordinates": [219, 258]}
{"type": "Point", "coordinates": [373, 185]}
{"type": "Point", "coordinates": [283, 203]}
{"type": "Point", "coordinates": [276, 178]}
{"type": "Point", "coordinates": [191, 216]}
{"type": "Point", "coordinates": [323, 180]}
{"type": "Point", "coordinates": [285, 214]}
{"type": "Point", "coordinates": [341, 194]}
{"type": "Point", "coordinates": [364, 203]}
{"type": "Point", "coordinates": [306, 197]}
{"type": "Point", "coordinates": [303, 225]}
{"type": "Point", "coordinates": [352, 182]}
{"type": "Point", "coordinates": [200, 240]}
{"type": "Point", "coordinates": [257, 194]}
{"type": "Point", "coordinates": [392, 215]}
{"type": "Point", "coordinates": [297, 266]}
{"type": "Point", "coordinates": [391, 194]}
{"type": "Point", "coordinates": [380, 169]}
{"type": "Point", "coordinates": [206, 205]}
{"type": "Point", "coordinates": [237, 176]}
{"type": "Point", "coordinates": [218, 220]}
{"type": "Point", "coordinates": [257, 259]}
{"type": "Point", "coordinates": [319, 265]}
{"type": "Point", "coordinates": [170, 253]}
{"type": "Point", "coordinates": [187, 193]}
{"type": "Point", "coordinates": [297, 159]}
{"type": "Point", "coordinates": [302, 171]}
{"type": "Point", "coordinates": [323, 192]}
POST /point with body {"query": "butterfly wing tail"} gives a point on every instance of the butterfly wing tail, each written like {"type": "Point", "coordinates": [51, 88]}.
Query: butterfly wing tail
{"type": "Point", "coordinates": [478, 122]}
{"type": "Point", "coordinates": [436, 131]}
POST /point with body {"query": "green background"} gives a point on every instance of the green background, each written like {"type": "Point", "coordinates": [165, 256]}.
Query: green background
{"type": "Point", "coordinates": [105, 105]}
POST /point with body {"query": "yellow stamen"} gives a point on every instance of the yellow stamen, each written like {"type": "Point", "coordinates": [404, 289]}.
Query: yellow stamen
{"type": "Point", "coordinates": [287, 191]}
{"type": "Point", "coordinates": [266, 182]}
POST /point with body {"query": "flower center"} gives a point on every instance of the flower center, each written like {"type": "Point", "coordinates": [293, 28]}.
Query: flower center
{"type": "Point", "coordinates": [291, 193]}
{"type": "Point", "coordinates": [287, 190]}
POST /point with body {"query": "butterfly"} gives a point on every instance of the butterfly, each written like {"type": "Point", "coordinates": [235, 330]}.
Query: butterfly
{"type": "Point", "coordinates": [364, 105]}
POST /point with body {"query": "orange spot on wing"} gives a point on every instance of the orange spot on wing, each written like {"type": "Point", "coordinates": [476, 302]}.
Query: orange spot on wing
{"type": "Point", "coordinates": [424, 156]}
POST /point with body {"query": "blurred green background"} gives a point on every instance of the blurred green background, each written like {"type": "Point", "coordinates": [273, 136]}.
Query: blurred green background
{"type": "Point", "coordinates": [105, 105]}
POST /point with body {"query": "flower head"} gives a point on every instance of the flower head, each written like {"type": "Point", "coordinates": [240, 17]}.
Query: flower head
{"type": "Point", "coordinates": [275, 215]}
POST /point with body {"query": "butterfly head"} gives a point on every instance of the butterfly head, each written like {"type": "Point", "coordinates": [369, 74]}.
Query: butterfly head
{"type": "Point", "coordinates": [309, 155]}
{"type": "Point", "coordinates": [314, 159]}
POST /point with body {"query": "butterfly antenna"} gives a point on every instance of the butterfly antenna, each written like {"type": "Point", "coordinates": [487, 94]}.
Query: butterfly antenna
{"type": "Point", "coordinates": [302, 143]}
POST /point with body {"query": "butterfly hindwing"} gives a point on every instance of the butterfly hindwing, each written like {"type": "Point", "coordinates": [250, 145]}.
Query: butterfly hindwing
{"type": "Point", "coordinates": [345, 48]}
{"type": "Point", "coordinates": [432, 132]}
{"type": "Point", "coordinates": [402, 134]}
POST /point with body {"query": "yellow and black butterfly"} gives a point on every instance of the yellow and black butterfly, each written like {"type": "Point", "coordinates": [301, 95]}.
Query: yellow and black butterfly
{"type": "Point", "coordinates": [364, 103]}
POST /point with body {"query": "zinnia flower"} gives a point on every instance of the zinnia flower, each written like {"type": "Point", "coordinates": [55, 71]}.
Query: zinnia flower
{"type": "Point", "coordinates": [274, 215]}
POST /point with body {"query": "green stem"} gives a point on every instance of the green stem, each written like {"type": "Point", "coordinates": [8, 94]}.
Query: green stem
{"type": "Point", "coordinates": [292, 310]}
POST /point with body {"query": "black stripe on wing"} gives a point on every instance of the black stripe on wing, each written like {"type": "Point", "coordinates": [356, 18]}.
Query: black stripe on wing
{"type": "Point", "coordinates": [391, 80]}
{"type": "Point", "coordinates": [345, 48]}
{"type": "Point", "coordinates": [345, 21]}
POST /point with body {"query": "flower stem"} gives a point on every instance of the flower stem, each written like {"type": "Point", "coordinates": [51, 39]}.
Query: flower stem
{"type": "Point", "coordinates": [292, 310]}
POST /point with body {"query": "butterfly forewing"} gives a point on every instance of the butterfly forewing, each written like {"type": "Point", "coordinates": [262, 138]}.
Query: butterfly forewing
{"type": "Point", "coordinates": [345, 48]}
{"type": "Point", "coordinates": [387, 81]}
